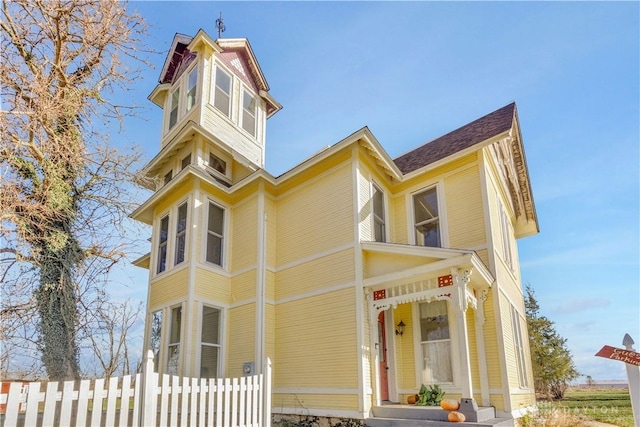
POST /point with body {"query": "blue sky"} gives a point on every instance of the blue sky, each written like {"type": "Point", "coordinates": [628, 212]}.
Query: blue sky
{"type": "Point", "coordinates": [412, 71]}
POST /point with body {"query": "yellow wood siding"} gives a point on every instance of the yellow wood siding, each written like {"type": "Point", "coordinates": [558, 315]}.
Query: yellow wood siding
{"type": "Point", "coordinates": [169, 289]}
{"type": "Point", "coordinates": [240, 338]}
{"type": "Point", "coordinates": [507, 337]}
{"type": "Point", "coordinates": [491, 344]}
{"type": "Point", "coordinates": [244, 234]}
{"type": "Point", "coordinates": [317, 217]}
{"type": "Point", "coordinates": [405, 357]}
{"type": "Point", "coordinates": [398, 213]}
{"type": "Point", "coordinates": [331, 270]}
{"type": "Point", "coordinates": [315, 334]}
{"type": "Point", "coordinates": [212, 285]}
{"type": "Point", "coordinates": [243, 286]}
{"type": "Point", "coordinates": [465, 219]}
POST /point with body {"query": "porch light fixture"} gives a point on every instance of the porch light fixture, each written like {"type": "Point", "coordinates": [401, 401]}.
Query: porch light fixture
{"type": "Point", "coordinates": [400, 328]}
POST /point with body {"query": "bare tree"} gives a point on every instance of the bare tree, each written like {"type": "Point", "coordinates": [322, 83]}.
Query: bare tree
{"type": "Point", "coordinates": [65, 191]}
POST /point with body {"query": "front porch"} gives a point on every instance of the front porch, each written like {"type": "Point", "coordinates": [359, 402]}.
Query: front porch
{"type": "Point", "coordinates": [430, 290]}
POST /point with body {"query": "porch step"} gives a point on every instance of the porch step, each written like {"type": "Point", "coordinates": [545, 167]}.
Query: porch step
{"type": "Point", "coordinates": [411, 415]}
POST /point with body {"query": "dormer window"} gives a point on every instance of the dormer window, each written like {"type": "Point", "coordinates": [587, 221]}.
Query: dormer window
{"type": "Point", "coordinates": [192, 86]}
{"type": "Point", "coordinates": [249, 113]}
{"type": "Point", "coordinates": [222, 95]}
{"type": "Point", "coordinates": [173, 114]}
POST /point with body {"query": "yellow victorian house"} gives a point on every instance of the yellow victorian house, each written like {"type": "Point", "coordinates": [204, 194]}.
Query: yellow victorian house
{"type": "Point", "coordinates": [360, 276]}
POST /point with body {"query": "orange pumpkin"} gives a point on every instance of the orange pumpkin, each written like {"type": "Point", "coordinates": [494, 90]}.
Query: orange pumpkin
{"type": "Point", "coordinates": [449, 404]}
{"type": "Point", "coordinates": [456, 417]}
{"type": "Point", "coordinates": [412, 399]}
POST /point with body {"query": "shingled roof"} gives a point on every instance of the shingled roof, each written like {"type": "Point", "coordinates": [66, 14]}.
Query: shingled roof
{"type": "Point", "coordinates": [467, 136]}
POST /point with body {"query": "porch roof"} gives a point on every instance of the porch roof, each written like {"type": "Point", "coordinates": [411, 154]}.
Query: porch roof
{"type": "Point", "coordinates": [436, 260]}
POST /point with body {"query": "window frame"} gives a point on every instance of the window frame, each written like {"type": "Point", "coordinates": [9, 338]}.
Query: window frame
{"type": "Point", "coordinates": [208, 232]}
{"type": "Point", "coordinates": [452, 331]}
{"type": "Point", "coordinates": [506, 237]}
{"type": "Point", "coordinates": [192, 91]}
{"type": "Point", "coordinates": [157, 349]}
{"type": "Point", "coordinates": [254, 115]}
{"type": "Point", "coordinates": [218, 345]}
{"type": "Point", "coordinates": [163, 244]}
{"type": "Point", "coordinates": [185, 162]}
{"type": "Point", "coordinates": [181, 235]}
{"type": "Point", "coordinates": [171, 343]}
{"type": "Point", "coordinates": [440, 217]}
{"type": "Point", "coordinates": [374, 217]}
{"type": "Point", "coordinates": [218, 68]}
{"type": "Point", "coordinates": [174, 96]}
{"type": "Point", "coordinates": [518, 347]}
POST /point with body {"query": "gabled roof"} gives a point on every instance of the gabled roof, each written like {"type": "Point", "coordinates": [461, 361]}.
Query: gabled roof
{"type": "Point", "coordinates": [460, 139]}
{"type": "Point", "coordinates": [174, 58]}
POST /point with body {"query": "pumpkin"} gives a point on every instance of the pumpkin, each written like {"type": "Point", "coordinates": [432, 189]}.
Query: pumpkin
{"type": "Point", "coordinates": [450, 404]}
{"type": "Point", "coordinates": [412, 399]}
{"type": "Point", "coordinates": [456, 417]}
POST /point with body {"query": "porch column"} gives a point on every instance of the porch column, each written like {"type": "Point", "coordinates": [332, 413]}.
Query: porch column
{"type": "Point", "coordinates": [482, 352]}
{"type": "Point", "coordinates": [461, 279]}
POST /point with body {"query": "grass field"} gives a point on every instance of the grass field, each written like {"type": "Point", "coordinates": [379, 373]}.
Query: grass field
{"type": "Point", "coordinates": [612, 406]}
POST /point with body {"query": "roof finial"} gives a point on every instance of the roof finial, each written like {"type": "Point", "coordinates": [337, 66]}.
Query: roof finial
{"type": "Point", "coordinates": [220, 25]}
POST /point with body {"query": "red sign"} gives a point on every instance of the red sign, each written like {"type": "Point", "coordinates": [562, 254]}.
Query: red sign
{"type": "Point", "coordinates": [627, 356]}
{"type": "Point", "coordinates": [445, 281]}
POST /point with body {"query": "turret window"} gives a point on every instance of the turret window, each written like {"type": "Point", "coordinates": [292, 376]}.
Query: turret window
{"type": "Point", "coordinates": [222, 95]}
{"type": "Point", "coordinates": [249, 113]}
{"type": "Point", "coordinates": [173, 114]}
{"type": "Point", "coordinates": [192, 86]}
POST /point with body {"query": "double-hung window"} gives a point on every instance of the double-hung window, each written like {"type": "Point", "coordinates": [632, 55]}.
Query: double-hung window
{"type": "Point", "coordinates": [435, 342]}
{"type": "Point", "coordinates": [249, 113]}
{"type": "Point", "coordinates": [518, 342]}
{"type": "Point", "coordinates": [192, 86]}
{"type": "Point", "coordinates": [378, 215]}
{"type": "Point", "coordinates": [181, 233]}
{"type": "Point", "coordinates": [222, 93]}
{"type": "Point", "coordinates": [173, 353]}
{"type": "Point", "coordinates": [173, 111]}
{"type": "Point", "coordinates": [215, 228]}
{"type": "Point", "coordinates": [505, 233]}
{"type": "Point", "coordinates": [162, 244]}
{"type": "Point", "coordinates": [210, 343]}
{"type": "Point", "coordinates": [426, 219]}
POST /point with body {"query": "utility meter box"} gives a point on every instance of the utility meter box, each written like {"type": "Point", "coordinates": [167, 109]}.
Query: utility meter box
{"type": "Point", "coordinates": [248, 369]}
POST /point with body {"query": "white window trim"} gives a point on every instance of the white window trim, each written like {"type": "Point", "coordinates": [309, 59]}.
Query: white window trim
{"type": "Point", "coordinates": [212, 97]}
{"type": "Point", "coordinates": [442, 213]}
{"type": "Point", "coordinates": [166, 331]}
{"type": "Point", "coordinates": [385, 205]}
{"type": "Point", "coordinates": [222, 332]}
{"type": "Point", "coordinates": [186, 84]}
{"type": "Point", "coordinates": [225, 235]}
{"type": "Point", "coordinates": [256, 99]}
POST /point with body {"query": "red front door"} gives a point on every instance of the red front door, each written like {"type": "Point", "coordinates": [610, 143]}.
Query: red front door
{"type": "Point", "coordinates": [382, 357]}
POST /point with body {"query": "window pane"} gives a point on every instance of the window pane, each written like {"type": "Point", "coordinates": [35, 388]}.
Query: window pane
{"type": "Point", "coordinates": [186, 161]}
{"type": "Point", "coordinates": [249, 123]}
{"type": "Point", "coordinates": [214, 249]}
{"type": "Point", "coordinates": [155, 336]}
{"type": "Point", "coordinates": [191, 88]}
{"type": "Point", "coordinates": [209, 362]}
{"type": "Point", "coordinates": [434, 321]}
{"type": "Point", "coordinates": [164, 229]}
{"type": "Point", "coordinates": [436, 365]}
{"type": "Point", "coordinates": [210, 325]}
{"type": "Point", "coordinates": [173, 115]}
{"type": "Point", "coordinates": [425, 205]}
{"type": "Point", "coordinates": [162, 245]}
{"type": "Point", "coordinates": [217, 163]}
{"type": "Point", "coordinates": [168, 177]}
{"type": "Point", "coordinates": [222, 93]}
{"type": "Point", "coordinates": [216, 218]}
{"type": "Point", "coordinates": [428, 234]}
{"type": "Point", "coordinates": [378, 215]}
{"type": "Point", "coordinates": [173, 359]}
{"type": "Point", "coordinates": [162, 258]}
{"type": "Point", "coordinates": [379, 231]}
{"type": "Point", "coordinates": [176, 322]}
{"type": "Point", "coordinates": [182, 218]}
{"type": "Point", "coordinates": [249, 103]}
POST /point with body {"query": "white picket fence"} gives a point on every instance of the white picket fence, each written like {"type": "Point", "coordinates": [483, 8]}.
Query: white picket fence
{"type": "Point", "coordinates": [146, 399]}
